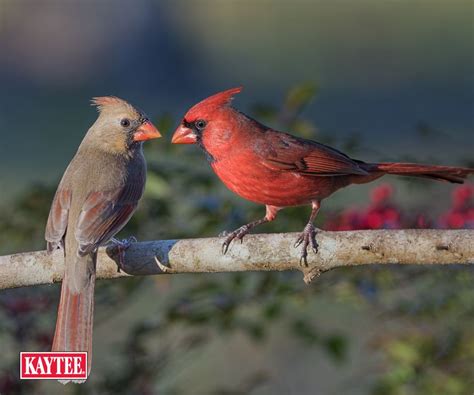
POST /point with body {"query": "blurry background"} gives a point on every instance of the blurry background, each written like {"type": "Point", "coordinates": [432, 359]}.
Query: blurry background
{"type": "Point", "coordinates": [381, 80]}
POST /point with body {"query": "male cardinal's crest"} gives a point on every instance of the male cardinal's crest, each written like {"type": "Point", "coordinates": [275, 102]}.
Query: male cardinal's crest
{"type": "Point", "coordinates": [213, 102]}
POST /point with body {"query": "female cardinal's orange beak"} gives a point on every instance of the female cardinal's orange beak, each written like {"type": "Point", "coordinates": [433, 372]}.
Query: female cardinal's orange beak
{"type": "Point", "coordinates": [146, 131]}
{"type": "Point", "coordinates": [184, 135]}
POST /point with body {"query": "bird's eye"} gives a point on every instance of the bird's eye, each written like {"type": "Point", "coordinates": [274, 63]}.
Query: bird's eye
{"type": "Point", "coordinates": [200, 124]}
{"type": "Point", "coordinates": [125, 122]}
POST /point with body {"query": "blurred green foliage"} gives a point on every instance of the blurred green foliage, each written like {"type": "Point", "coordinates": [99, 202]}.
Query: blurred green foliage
{"type": "Point", "coordinates": [422, 340]}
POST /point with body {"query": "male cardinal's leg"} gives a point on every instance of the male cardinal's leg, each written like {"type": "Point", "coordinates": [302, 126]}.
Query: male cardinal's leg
{"type": "Point", "coordinates": [120, 247]}
{"type": "Point", "coordinates": [270, 215]}
{"type": "Point", "coordinates": [308, 236]}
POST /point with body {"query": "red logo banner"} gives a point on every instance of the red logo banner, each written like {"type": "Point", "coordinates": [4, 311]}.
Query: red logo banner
{"type": "Point", "coordinates": [53, 365]}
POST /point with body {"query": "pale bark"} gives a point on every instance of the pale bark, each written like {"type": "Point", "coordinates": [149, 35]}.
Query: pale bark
{"type": "Point", "coordinates": [261, 252]}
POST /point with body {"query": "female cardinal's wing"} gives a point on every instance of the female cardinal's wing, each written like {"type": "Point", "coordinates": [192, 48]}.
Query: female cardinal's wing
{"type": "Point", "coordinates": [288, 153]}
{"type": "Point", "coordinates": [104, 214]}
{"type": "Point", "coordinates": [57, 220]}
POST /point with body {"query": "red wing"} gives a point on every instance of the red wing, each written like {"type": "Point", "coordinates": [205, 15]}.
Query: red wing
{"type": "Point", "coordinates": [289, 153]}
{"type": "Point", "coordinates": [57, 220]}
{"type": "Point", "coordinates": [103, 215]}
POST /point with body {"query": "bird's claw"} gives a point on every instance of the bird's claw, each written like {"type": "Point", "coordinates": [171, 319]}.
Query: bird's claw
{"type": "Point", "coordinates": [163, 268]}
{"type": "Point", "coordinates": [225, 247]}
{"type": "Point", "coordinates": [303, 259]}
{"type": "Point", "coordinates": [236, 234]}
{"type": "Point", "coordinates": [298, 241]}
{"type": "Point", "coordinates": [307, 238]}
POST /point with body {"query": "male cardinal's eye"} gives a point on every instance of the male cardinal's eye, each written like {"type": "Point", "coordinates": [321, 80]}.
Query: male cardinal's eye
{"type": "Point", "coordinates": [125, 122]}
{"type": "Point", "coordinates": [200, 124]}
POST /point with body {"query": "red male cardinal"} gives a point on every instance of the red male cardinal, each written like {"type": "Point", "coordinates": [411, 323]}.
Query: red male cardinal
{"type": "Point", "coordinates": [280, 170]}
{"type": "Point", "coordinates": [95, 199]}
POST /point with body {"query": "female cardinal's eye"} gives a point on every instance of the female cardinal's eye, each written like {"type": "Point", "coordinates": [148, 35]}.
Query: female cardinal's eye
{"type": "Point", "coordinates": [200, 124]}
{"type": "Point", "coordinates": [125, 122]}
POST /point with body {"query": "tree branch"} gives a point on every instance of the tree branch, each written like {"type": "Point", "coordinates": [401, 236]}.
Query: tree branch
{"type": "Point", "coordinates": [261, 252]}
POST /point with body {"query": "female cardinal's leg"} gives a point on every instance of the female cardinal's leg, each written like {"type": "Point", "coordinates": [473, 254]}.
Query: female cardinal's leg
{"type": "Point", "coordinates": [308, 236]}
{"type": "Point", "coordinates": [118, 247]}
{"type": "Point", "coordinates": [270, 215]}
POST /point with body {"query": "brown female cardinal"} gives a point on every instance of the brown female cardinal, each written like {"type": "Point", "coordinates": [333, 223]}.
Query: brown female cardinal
{"type": "Point", "coordinates": [280, 170]}
{"type": "Point", "coordinates": [96, 197]}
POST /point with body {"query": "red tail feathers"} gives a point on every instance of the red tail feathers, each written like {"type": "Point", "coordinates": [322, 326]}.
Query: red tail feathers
{"type": "Point", "coordinates": [75, 318]}
{"type": "Point", "coordinates": [442, 173]}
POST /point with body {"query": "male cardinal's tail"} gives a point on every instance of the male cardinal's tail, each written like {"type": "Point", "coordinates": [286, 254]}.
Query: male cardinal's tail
{"type": "Point", "coordinates": [442, 173]}
{"type": "Point", "coordinates": [76, 309]}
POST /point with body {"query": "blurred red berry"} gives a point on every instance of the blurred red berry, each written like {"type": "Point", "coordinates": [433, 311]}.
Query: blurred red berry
{"type": "Point", "coordinates": [461, 214]}
{"type": "Point", "coordinates": [462, 196]}
{"type": "Point", "coordinates": [381, 194]}
{"type": "Point", "coordinates": [422, 222]}
{"type": "Point", "coordinates": [374, 220]}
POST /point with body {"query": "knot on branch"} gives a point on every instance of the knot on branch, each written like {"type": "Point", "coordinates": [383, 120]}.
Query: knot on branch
{"type": "Point", "coordinates": [311, 274]}
{"type": "Point", "coordinates": [448, 248]}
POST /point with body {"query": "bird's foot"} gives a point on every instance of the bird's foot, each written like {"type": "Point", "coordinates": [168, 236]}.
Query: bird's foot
{"type": "Point", "coordinates": [236, 234]}
{"type": "Point", "coordinates": [306, 238]}
{"type": "Point", "coordinates": [121, 246]}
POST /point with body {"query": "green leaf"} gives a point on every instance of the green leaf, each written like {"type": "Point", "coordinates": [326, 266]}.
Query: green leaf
{"type": "Point", "coordinates": [300, 95]}
{"type": "Point", "coordinates": [337, 347]}
{"type": "Point", "coordinates": [156, 186]}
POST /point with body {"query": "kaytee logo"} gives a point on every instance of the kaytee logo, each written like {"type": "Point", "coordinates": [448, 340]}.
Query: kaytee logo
{"type": "Point", "coordinates": [53, 365]}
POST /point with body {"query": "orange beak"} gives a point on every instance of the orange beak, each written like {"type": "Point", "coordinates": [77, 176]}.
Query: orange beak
{"type": "Point", "coordinates": [146, 131]}
{"type": "Point", "coordinates": [184, 135]}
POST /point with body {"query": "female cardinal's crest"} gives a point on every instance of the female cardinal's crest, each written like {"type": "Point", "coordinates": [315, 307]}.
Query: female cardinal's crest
{"type": "Point", "coordinates": [213, 102]}
{"type": "Point", "coordinates": [105, 102]}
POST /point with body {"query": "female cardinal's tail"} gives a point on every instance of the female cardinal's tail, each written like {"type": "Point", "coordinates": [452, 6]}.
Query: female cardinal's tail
{"type": "Point", "coordinates": [76, 309]}
{"type": "Point", "coordinates": [442, 173]}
